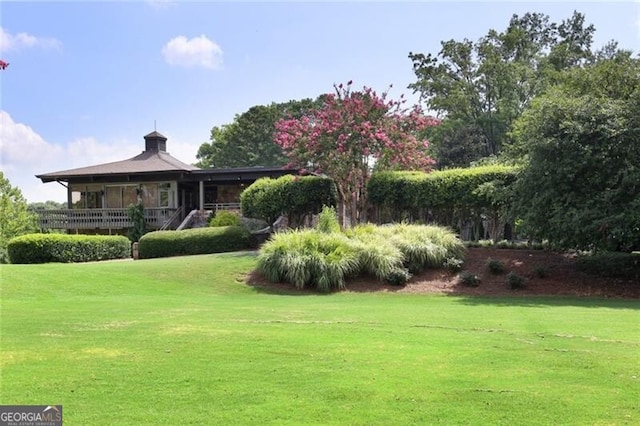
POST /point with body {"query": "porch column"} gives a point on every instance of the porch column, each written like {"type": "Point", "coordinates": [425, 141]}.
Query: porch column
{"type": "Point", "coordinates": [201, 187]}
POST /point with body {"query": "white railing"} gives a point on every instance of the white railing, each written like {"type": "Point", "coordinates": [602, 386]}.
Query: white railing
{"type": "Point", "coordinates": [101, 218]}
{"type": "Point", "coordinates": [221, 206]}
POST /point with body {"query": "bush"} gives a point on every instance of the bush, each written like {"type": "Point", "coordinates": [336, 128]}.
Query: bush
{"type": "Point", "coordinates": [293, 196]}
{"type": "Point", "coordinates": [42, 248]}
{"type": "Point", "coordinates": [495, 266]}
{"type": "Point", "coordinates": [453, 264]}
{"type": "Point", "coordinates": [611, 265]}
{"type": "Point", "coordinates": [225, 218]}
{"type": "Point", "coordinates": [469, 279]}
{"type": "Point", "coordinates": [194, 241]}
{"type": "Point", "coordinates": [398, 276]}
{"type": "Point", "coordinates": [515, 281]}
{"type": "Point", "coordinates": [541, 271]}
{"type": "Point", "coordinates": [328, 221]}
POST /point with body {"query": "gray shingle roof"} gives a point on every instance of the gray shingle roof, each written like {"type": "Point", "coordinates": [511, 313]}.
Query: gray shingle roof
{"type": "Point", "coordinates": [146, 162]}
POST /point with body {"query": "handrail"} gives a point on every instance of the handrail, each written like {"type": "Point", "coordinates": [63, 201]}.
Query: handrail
{"type": "Point", "coordinates": [187, 220]}
{"type": "Point", "coordinates": [168, 222]}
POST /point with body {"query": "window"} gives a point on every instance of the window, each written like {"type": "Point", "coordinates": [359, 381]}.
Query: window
{"type": "Point", "coordinates": [86, 196]}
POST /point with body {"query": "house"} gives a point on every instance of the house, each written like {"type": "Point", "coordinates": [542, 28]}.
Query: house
{"type": "Point", "coordinates": [170, 190]}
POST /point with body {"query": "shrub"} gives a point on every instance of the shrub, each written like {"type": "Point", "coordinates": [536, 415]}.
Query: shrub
{"type": "Point", "coordinates": [453, 264]}
{"type": "Point", "coordinates": [398, 276]}
{"type": "Point", "coordinates": [42, 248]}
{"type": "Point", "coordinates": [469, 279]}
{"type": "Point", "coordinates": [328, 221]}
{"type": "Point", "coordinates": [135, 212]}
{"type": "Point", "coordinates": [194, 241]}
{"type": "Point", "coordinates": [515, 281]}
{"type": "Point", "coordinates": [611, 265]}
{"type": "Point", "coordinates": [541, 271]}
{"type": "Point", "coordinates": [293, 196]}
{"type": "Point", "coordinates": [225, 218]}
{"type": "Point", "coordinates": [495, 266]}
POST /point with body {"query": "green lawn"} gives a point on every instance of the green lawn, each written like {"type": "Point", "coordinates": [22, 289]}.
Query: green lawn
{"type": "Point", "coordinates": [183, 341]}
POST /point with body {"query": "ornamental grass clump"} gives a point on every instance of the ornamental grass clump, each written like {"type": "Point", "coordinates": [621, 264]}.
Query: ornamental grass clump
{"type": "Point", "coordinates": [309, 259]}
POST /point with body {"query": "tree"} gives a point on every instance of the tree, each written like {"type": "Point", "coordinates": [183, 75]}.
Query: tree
{"type": "Point", "coordinates": [248, 140]}
{"type": "Point", "coordinates": [350, 133]}
{"type": "Point", "coordinates": [16, 219]}
{"type": "Point", "coordinates": [47, 205]}
{"type": "Point", "coordinates": [581, 184]}
{"type": "Point", "coordinates": [481, 87]}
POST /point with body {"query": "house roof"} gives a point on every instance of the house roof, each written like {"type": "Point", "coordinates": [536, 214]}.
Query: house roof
{"type": "Point", "coordinates": [146, 162]}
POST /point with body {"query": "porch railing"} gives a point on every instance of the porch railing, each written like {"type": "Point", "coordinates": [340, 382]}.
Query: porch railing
{"type": "Point", "coordinates": [155, 218]}
{"type": "Point", "coordinates": [221, 206]}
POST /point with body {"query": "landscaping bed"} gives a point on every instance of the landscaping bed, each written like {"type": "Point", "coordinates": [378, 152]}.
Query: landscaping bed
{"type": "Point", "coordinates": [562, 277]}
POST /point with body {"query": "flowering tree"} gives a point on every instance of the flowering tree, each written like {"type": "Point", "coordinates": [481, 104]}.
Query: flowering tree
{"type": "Point", "coordinates": [352, 132]}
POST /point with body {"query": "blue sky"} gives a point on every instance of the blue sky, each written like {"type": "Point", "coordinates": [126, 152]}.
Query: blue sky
{"type": "Point", "coordinates": [87, 80]}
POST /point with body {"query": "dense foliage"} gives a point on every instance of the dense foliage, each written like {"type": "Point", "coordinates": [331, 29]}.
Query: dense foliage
{"type": "Point", "coordinates": [348, 134]}
{"type": "Point", "coordinates": [194, 241]}
{"type": "Point", "coordinates": [581, 142]}
{"type": "Point", "coordinates": [225, 218]}
{"type": "Point", "coordinates": [135, 212]}
{"type": "Point", "coordinates": [43, 248]}
{"type": "Point", "coordinates": [248, 140]}
{"type": "Point", "coordinates": [15, 219]}
{"type": "Point", "coordinates": [454, 197]}
{"type": "Point", "coordinates": [325, 259]}
{"type": "Point", "coordinates": [293, 196]}
{"type": "Point", "coordinates": [480, 88]}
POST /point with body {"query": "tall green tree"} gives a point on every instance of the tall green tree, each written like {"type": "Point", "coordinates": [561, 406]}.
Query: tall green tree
{"type": "Point", "coordinates": [479, 88]}
{"type": "Point", "coordinates": [15, 219]}
{"type": "Point", "coordinates": [580, 187]}
{"type": "Point", "coordinates": [249, 139]}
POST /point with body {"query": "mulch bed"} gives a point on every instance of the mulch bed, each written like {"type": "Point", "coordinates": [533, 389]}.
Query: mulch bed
{"type": "Point", "coordinates": [562, 278]}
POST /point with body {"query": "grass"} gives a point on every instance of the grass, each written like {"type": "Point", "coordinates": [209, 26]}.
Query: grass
{"type": "Point", "coordinates": [184, 341]}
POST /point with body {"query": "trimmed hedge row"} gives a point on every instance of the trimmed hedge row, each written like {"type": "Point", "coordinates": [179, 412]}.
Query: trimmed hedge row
{"type": "Point", "coordinates": [43, 248]}
{"type": "Point", "coordinates": [194, 241]}
{"type": "Point", "coordinates": [448, 197]}
{"type": "Point", "coordinates": [611, 265]}
{"type": "Point", "coordinates": [293, 196]}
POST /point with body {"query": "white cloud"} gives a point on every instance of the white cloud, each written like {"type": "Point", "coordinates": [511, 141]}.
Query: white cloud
{"type": "Point", "coordinates": [24, 154]}
{"type": "Point", "coordinates": [13, 42]}
{"type": "Point", "coordinates": [196, 52]}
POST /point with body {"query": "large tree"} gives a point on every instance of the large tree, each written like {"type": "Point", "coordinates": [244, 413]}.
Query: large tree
{"type": "Point", "coordinates": [479, 88]}
{"type": "Point", "coordinates": [248, 140]}
{"type": "Point", "coordinates": [580, 186]}
{"type": "Point", "coordinates": [353, 131]}
{"type": "Point", "coordinates": [16, 219]}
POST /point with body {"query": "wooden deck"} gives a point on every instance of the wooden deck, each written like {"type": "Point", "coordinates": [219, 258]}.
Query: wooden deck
{"type": "Point", "coordinates": [85, 219]}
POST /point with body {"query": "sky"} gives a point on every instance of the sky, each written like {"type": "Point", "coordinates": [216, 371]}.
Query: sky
{"type": "Point", "coordinates": [87, 80]}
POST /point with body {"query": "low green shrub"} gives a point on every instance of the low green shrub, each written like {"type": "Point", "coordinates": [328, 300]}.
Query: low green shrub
{"type": "Point", "coordinates": [469, 279]}
{"type": "Point", "coordinates": [328, 220]}
{"type": "Point", "coordinates": [398, 276]}
{"type": "Point", "coordinates": [64, 248]}
{"type": "Point", "coordinates": [515, 281]}
{"type": "Point", "coordinates": [194, 241]}
{"type": "Point", "coordinates": [453, 264]}
{"type": "Point", "coordinates": [225, 218]}
{"type": "Point", "coordinates": [495, 266]}
{"type": "Point", "coordinates": [541, 271]}
{"type": "Point", "coordinates": [611, 265]}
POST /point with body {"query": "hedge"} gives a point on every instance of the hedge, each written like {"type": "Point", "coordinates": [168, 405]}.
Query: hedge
{"type": "Point", "coordinates": [448, 197]}
{"type": "Point", "coordinates": [42, 248]}
{"type": "Point", "coordinates": [611, 265]}
{"type": "Point", "coordinates": [194, 241]}
{"type": "Point", "coordinates": [293, 196]}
